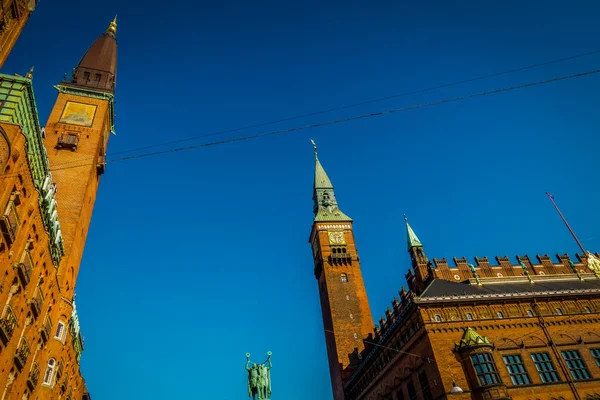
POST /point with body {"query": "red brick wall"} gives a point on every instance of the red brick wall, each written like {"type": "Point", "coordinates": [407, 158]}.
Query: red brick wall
{"type": "Point", "coordinates": [15, 294]}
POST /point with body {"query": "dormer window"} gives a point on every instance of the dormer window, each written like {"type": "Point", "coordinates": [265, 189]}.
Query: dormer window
{"type": "Point", "coordinates": [86, 76]}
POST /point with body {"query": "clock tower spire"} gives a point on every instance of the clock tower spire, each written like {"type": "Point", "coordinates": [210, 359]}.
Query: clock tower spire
{"type": "Point", "coordinates": [345, 308]}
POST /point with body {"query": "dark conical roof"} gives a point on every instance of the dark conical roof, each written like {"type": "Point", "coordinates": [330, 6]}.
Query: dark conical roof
{"type": "Point", "coordinates": [98, 66]}
{"type": "Point", "coordinates": [102, 54]}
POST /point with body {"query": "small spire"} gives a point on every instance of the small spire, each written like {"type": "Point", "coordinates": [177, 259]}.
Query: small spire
{"type": "Point", "coordinates": [112, 28]}
{"type": "Point", "coordinates": [411, 237]}
{"type": "Point", "coordinates": [29, 74]}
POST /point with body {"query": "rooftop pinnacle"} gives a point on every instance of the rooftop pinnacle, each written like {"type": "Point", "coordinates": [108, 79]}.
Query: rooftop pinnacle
{"type": "Point", "coordinates": [411, 236]}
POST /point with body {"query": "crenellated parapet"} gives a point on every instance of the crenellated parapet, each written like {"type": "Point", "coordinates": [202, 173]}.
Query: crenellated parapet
{"type": "Point", "coordinates": [462, 269]}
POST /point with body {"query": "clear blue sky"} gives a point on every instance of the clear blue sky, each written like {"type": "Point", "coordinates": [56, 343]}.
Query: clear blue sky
{"type": "Point", "coordinates": [195, 258]}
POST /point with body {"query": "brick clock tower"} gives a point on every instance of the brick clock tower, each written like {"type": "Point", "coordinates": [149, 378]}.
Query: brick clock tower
{"type": "Point", "coordinates": [347, 317]}
{"type": "Point", "coordinates": [77, 133]}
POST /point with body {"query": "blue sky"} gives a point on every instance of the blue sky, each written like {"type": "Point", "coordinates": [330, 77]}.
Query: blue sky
{"type": "Point", "coordinates": [195, 258]}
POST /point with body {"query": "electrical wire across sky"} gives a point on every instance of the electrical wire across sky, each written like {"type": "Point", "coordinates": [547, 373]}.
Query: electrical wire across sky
{"type": "Point", "coordinates": [80, 163]}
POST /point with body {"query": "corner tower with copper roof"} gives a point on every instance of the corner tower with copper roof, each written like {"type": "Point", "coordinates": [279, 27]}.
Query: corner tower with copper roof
{"type": "Point", "coordinates": [77, 133]}
{"type": "Point", "coordinates": [345, 308]}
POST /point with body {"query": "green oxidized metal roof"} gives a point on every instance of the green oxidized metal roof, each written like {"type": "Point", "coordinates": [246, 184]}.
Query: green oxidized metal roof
{"type": "Point", "coordinates": [472, 339]}
{"type": "Point", "coordinates": [321, 179]}
{"type": "Point", "coordinates": [326, 209]}
{"type": "Point", "coordinates": [411, 237]}
{"type": "Point", "coordinates": [17, 106]}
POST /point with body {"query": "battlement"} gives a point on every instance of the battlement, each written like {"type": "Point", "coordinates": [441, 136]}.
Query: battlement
{"type": "Point", "coordinates": [462, 270]}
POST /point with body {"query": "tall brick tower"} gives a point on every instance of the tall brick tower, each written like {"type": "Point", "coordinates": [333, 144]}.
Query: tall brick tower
{"type": "Point", "coordinates": [13, 17]}
{"type": "Point", "coordinates": [346, 314]}
{"type": "Point", "coordinates": [77, 134]}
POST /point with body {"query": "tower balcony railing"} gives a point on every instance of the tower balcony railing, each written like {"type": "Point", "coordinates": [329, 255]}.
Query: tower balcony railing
{"type": "Point", "coordinates": [68, 141]}
{"type": "Point", "coordinates": [9, 222]}
{"type": "Point", "coordinates": [25, 268]}
{"type": "Point", "coordinates": [46, 329]}
{"type": "Point", "coordinates": [34, 376]}
{"type": "Point", "coordinates": [22, 354]}
{"type": "Point", "coordinates": [339, 257]}
{"type": "Point", "coordinates": [36, 302]}
{"type": "Point", "coordinates": [7, 325]}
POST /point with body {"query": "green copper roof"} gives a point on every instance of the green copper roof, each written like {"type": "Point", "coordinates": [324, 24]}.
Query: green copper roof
{"type": "Point", "coordinates": [472, 339]}
{"type": "Point", "coordinates": [321, 179]}
{"type": "Point", "coordinates": [411, 237]}
{"type": "Point", "coordinates": [17, 106]}
{"type": "Point", "coordinates": [325, 208]}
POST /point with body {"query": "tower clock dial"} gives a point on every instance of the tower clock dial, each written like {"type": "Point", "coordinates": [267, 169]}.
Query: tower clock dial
{"type": "Point", "coordinates": [336, 238]}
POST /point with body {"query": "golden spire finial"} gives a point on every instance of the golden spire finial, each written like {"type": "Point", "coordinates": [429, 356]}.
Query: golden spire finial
{"type": "Point", "coordinates": [30, 74]}
{"type": "Point", "coordinates": [112, 28]}
{"type": "Point", "coordinates": [314, 146]}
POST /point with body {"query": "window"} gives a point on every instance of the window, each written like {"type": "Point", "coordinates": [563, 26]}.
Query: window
{"type": "Point", "coordinates": [60, 330]}
{"type": "Point", "coordinates": [576, 365]}
{"type": "Point", "coordinates": [545, 367]}
{"type": "Point", "coordinates": [344, 278]}
{"type": "Point", "coordinates": [529, 313]}
{"type": "Point", "coordinates": [485, 368]}
{"type": "Point", "coordinates": [499, 275]}
{"type": "Point", "coordinates": [596, 355]}
{"type": "Point", "coordinates": [49, 375]}
{"type": "Point", "coordinates": [558, 311]}
{"type": "Point", "coordinates": [437, 318]}
{"type": "Point", "coordinates": [587, 310]}
{"type": "Point", "coordinates": [425, 386]}
{"type": "Point", "coordinates": [98, 77]}
{"type": "Point", "coordinates": [516, 369]}
{"type": "Point", "coordinates": [86, 76]}
{"type": "Point", "coordinates": [469, 316]}
{"type": "Point", "coordinates": [499, 314]}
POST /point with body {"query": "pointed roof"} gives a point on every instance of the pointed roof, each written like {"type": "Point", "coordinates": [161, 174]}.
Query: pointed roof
{"type": "Point", "coordinates": [472, 339]}
{"type": "Point", "coordinates": [411, 237]}
{"type": "Point", "coordinates": [321, 179]}
{"type": "Point", "coordinates": [326, 208]}
{"type": "Point", "coordinates": [100, 58]}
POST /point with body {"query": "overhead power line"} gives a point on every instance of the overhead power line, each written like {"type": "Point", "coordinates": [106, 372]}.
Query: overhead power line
{"type": "Point", "coordinates": [339, 108]}
{"type": "Point", "coordinates": [341, 120]}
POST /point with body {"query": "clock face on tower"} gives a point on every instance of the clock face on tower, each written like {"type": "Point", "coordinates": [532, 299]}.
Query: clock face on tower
{"type": "Point", "coordinates": [336, 238]}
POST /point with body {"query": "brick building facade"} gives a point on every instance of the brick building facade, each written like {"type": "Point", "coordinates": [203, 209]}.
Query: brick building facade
{"type": "Point", "coordinates": [529, 330]}
{"type": "Point", "coordinates": [13, 17]}
{"type": "Point", "coordinates": [48, 183]}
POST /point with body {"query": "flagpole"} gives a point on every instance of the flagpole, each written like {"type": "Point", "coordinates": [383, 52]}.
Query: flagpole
{"type": "Point", "coordinates": [566, 223]}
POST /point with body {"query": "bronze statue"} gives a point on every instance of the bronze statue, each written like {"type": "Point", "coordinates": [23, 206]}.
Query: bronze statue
{"type": "Point", "coordinates": [259, 378]}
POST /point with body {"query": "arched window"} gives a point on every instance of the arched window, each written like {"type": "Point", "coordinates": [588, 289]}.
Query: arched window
{"type": "Point", "coordinates": [499, 314]}
{"type": "Point", "coordinates": [344, 278]}
{"type": "Point", "coordinates": [499, 275]}
{"type": "Point", "coordinates": [469, 316]}
{"type": "Point", "coordinates": [558, 311]}
{"type": "Point", "coordinates": [437, 318]}
{"type": "Point", "coordinates": [49, 375]}
{"type": "Point", "coordinates": [529, 313]}
{"type": "Point", "coordinates": [587, 310]}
